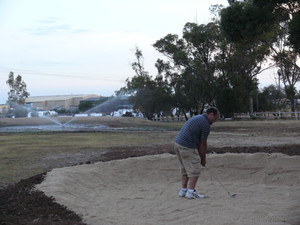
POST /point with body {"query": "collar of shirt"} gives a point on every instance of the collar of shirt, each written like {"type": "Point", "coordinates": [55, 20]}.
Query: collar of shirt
{"type": "Point", "coordinates": [205, 115]}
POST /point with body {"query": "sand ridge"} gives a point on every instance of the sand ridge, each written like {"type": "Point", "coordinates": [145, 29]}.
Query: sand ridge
{"type": "Point", "coordinates": [144, 190]}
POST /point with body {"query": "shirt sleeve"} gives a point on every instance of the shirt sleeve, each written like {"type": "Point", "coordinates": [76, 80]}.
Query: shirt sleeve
{"type": "Point", "coordinates": [204, 134]}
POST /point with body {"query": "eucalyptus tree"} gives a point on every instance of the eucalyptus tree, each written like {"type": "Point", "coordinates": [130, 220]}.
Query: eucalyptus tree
{"type": "Point", "coordinates": [271, 98]}
{"type": "Point", "coordinates": [294, 31]}
{"type": "Point", "coordinates": [149, 96]}
{"type": "Point", "coordinates": [17, 95]}
{"type": "Point", "coordinates": [17, 89]}
{"type": "Point", "coordinates": [289, 75]}
{"type": "Point", "coordinates": [189, 65]}
{"type": "Point", "coordinates": [203, 67]}
{"type": "Point", "coordinates": [274, 23]}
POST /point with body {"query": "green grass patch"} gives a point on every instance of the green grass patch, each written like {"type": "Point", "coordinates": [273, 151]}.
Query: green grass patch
{"type": "Point", "coordinates": [25, 154]}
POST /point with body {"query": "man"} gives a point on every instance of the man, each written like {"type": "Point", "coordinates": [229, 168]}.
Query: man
{"type": "Point", "coordinates": [190, 148]}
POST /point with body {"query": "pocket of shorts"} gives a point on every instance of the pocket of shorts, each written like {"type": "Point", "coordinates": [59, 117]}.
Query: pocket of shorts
{"type": "Point", "coordinates": [184, 153]}
{"type": "Point", "coordinates": [195, 167]}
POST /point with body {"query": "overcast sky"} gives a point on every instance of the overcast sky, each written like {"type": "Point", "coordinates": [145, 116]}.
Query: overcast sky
{"type": "Point", "coordinates": [64, 47]}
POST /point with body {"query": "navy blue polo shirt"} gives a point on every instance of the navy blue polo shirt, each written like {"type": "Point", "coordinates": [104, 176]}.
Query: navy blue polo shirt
{"type": "Point", "coordinates": [193, 131]}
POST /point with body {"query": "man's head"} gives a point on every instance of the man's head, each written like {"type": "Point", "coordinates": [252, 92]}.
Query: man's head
{"type": "Point", "coordinates": [212, 114]}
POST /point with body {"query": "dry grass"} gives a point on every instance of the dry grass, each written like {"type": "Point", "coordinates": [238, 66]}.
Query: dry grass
{"type": "Point", "coordinates": [272, 128]}
{"type": "Point", "coordinates": [25, 154]}
{"type": "Point", "coordinates": [107, 120]}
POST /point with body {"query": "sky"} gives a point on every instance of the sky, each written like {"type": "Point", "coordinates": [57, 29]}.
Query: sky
{"type": "Point", "coordinates": [63, 47]}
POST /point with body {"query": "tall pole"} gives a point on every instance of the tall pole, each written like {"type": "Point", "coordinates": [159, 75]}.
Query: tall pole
{"type": "Point", "coordinates": [279, 91]}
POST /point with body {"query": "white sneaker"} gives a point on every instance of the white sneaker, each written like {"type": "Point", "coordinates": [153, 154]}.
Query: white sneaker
{"type": "Point", "coordinates": [182, 193]}
{"type": "Point", "coordinates": [193, 195]}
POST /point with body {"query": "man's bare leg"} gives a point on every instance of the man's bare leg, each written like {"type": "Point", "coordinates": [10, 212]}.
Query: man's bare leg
{"type": "Point", "coordinates": [193, 182]}
{"type": "Point", "coordinates": [185, 180]}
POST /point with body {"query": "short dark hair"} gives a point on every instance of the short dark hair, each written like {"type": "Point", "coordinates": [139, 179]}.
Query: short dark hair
{"type": "Point", "coordinates": [213, 110]}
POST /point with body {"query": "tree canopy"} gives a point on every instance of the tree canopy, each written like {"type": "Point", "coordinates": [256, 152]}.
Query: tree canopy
{"type": "Point", "coordinates": [217, 63]}
{"type": "Point", "coordinates": [149, 96]}
{"type": "Point", "coordinates": [274, 23]}
{"type": "Point", "coordinates": [18, 89]}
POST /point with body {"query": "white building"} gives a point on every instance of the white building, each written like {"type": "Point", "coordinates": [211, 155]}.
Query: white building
{"type": "Point", "coordinates": [56, 101]}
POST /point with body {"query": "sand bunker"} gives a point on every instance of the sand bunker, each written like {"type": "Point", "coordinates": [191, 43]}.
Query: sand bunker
{"type": "Point", "coordinates": [144, 191]}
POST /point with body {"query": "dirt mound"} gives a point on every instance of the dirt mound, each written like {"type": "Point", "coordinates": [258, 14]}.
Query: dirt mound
{"type": "Point", "coordinates": [19, 204]}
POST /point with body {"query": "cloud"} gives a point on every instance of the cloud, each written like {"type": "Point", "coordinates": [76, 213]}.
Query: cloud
{"type": "Point", "coordinates": [49, 20]}
{"type": "Point", "coordinates": [79, 31]}
{"type": "Point", "coordinates": [52, 25]}
{"type": "Point", "coordinates": [47, 30]}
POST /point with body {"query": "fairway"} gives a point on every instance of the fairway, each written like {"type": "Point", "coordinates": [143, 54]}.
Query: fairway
{"type": "Point", "coordinates": [26, 154]}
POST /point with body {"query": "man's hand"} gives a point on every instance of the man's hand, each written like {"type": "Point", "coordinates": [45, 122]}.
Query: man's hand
{"type": "Point", "coordinates": [202, 151]}
{"type": "Point", "coordinates": [203, 162]}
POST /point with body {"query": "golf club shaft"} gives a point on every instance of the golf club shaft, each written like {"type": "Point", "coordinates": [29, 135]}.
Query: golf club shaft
{"type": "Point", "coordinates": [212, 174]}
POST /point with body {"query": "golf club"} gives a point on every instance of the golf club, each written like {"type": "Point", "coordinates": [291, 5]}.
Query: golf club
{"type": "Point", "coordinates": [212, 174]}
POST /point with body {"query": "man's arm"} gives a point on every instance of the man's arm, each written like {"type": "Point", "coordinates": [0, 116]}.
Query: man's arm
{"type": "Point", "coordinates": [202, 146]}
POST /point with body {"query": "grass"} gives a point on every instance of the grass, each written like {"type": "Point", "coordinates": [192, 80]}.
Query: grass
{"type": "Point", "coordinates": [25, 154]}
{"type": "Point", "coordinates": [110, 121]}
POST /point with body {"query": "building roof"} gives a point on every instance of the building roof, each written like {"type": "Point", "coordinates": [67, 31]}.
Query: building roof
{"type": "Point", "coordinates": [92, 99]}
{"type": "Point", "coordinates": [3, 106]}
{"type": "Point", "coordinates": [57, 98]}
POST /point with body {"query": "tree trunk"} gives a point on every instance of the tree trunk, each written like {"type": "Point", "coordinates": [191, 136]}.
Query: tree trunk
{"type": "Point", "coordinates": [251, 105]}
{"type": "Point", "coordinates": [292, 104]}
{"type": "Point", "coordinates": [186, 118]}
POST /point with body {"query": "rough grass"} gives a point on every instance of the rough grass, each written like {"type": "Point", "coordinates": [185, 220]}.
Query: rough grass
{"type": "Point", "coordinates": [25, 154]}
{"type": "Point", "coordinates": [110, 121]}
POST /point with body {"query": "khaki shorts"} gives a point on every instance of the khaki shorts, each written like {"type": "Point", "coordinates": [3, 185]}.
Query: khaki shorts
{"type": "Point", "coordinates": [190, 162]}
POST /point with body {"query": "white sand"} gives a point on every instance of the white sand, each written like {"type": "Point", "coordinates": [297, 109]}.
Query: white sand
{"type": "Point", "coordinates": [144, 191]}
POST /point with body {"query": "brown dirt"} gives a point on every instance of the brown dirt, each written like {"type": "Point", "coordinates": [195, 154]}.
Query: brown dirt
{"type": "Point", "coordinates": [20, 204]}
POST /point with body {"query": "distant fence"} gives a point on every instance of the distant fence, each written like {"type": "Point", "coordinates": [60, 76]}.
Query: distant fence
{"type": "Point", "coordinates": [269, 115]}
{"type": "Point", "coordinates": [245, 116]}
{"type": "Point", "coordinates": [169, 118]}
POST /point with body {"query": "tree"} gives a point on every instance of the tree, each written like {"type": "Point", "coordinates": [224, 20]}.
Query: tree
{"type": "Point", "coordinates": [84, 106]}
{"type": "Point", "coordinates": [276, 23]}
{"type": "Point", "coordinates": [203, 67]}
{"type": "Point", "coordinates": [149, 96]}
{"type": "Point", "coordinates": [294, 32]}
{"type": "Point", "coordinates": [289, 75]}
{"type": "Point", "coordinates": [105, 105]}
{"type": "Point", "coordinates": [256, 20]}
{"type": "Point", "coordinates": [245, 21]}
{"type": "Point", "coordinates": [17, 95]}
{"type": "Point", "coordinates": [227, 102]}
{"type": "Point", "coordinates": [237, 68]}
{"type": "Point", "coordinates": [189, 67]}
{"type": "Point", "coordinates": [18, 92]}
{"type": "Point", "coordinates": [270, 99]}
{"type": "Point", "coordinates": [298, 101]}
